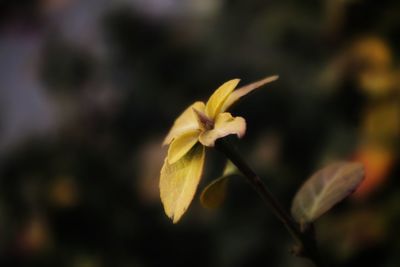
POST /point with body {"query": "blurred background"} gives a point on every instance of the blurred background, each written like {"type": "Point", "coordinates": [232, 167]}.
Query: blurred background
{"type": "Point", "coordinates": [89, 88]}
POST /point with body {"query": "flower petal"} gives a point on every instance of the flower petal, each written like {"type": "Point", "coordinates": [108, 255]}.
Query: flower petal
{"type": "Point", "coordinates": [181, 145]}
{"type": "Point", "coordinates": [217, 99]}
{"type": "Point", "coordinates": [187, 121]}
{"type": "Point", "coordinates": [242, 91]}
{"type": "Point", "coordinates": [179, 181]}
{"type": "Point", "coordinates": [225, 125]}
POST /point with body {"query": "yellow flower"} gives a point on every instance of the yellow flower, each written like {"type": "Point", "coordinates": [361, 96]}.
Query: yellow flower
{"type": "Point", "coordinates": [200, 125]}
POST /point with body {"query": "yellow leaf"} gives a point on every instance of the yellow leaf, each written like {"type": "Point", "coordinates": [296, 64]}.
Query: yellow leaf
{"type": "Point", "coordinates": [218, 98]}
{"type": "Point", "coordinates": [242, 91]}
{"type": "Point", "coordinates": [181, 145]}
{"type": "Point", "coordinates": [179, 181]}
{"type": "Point", "coordinates": [225, 125]}
{"type": "Point", "coordinates": [186, 122]}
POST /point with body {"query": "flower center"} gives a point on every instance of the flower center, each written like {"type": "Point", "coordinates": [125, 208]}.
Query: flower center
{"type": "Point", "coordinates": [205, 122]}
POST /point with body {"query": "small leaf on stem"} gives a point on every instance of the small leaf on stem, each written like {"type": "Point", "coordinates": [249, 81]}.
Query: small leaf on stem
{"type": "Point", "coordinates": [326, 188]}
{"type": "Point", "coordinates": [214, 193]}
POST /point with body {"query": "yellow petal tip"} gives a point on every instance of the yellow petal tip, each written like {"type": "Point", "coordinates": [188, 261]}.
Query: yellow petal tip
{"type": "Point", "coordinates": [274, 77]}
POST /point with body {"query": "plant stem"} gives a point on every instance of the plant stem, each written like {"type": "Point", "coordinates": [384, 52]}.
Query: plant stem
{"type": "Point", "coordinates": [305, 239]}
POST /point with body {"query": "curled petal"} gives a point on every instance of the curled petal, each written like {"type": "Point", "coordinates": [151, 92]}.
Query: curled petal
{"type": "Point", "coordinates": [218, 98]}
{"type": "Point", "coordinates": [225, 125]}
{"type": "Point", "coordinates": [181, 145]}
{"type": "Point", "coordinates": [186, 122]}
{"type": "Point", "coordinates": [179, 181]}
{"type": "Point", "coordinates": [242, 91]}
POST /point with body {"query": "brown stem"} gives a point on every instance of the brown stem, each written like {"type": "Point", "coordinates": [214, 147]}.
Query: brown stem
{"type": "Point", "coordinates": [305, 239]}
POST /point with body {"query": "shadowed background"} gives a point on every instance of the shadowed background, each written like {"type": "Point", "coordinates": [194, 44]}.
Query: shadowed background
{"type": "Point", "coordinates": [89, 88]}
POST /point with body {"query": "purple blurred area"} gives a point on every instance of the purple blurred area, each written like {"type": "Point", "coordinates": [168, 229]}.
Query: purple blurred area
{"type": "Point", "coordinates": [89, 88]}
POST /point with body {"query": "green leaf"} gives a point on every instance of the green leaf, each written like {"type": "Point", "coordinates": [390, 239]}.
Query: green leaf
{"type": "Point", "coordinates": [326, 188]}
{"type": "Point", "coordinates": [230, 169]}
{"type": "Point", "coordinates": [214, 193]}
